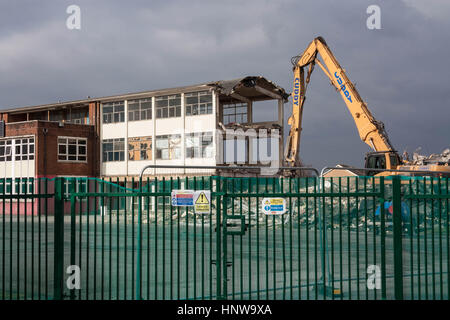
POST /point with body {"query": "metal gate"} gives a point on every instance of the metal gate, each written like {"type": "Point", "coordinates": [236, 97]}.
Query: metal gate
{"type": "Point", "coordinates": [337, 238]}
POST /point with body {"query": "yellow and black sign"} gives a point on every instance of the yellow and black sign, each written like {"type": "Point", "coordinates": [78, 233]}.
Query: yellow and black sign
{"type": "Point", "coordinates": [202, 201]}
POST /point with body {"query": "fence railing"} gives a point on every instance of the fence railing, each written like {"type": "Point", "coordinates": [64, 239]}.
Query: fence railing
{"type": "Point", "coordinates": [339, 238]}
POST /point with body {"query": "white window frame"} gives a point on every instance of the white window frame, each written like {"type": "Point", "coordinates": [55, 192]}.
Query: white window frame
{"type": "Point", "coordinates": [113, 141]}
{"type": "Point", "coordinates": [67, 149]}
{"type": "Point", "coordinates": [197, 139]}
{"type": "Point", "coordinates": [114, 105]}
{"type": "Point", "coordinates": [12, 148]}
{"type": "Point", "coordinates": [199, 104]}
{"type": "Point", "coordinates": [231, 114]}
{"type": "Point", "coordinates": [170, 138]}
{"type": "Point", "coordinates": [168, 107]}
{"type": "Point", "coordinates": [147, 111]}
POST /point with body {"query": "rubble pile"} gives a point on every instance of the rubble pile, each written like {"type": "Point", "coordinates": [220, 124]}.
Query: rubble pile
{"type": "Point", "coordinates": [442, 158]}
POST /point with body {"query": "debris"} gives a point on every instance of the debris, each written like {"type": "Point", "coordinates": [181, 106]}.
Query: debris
{"type": "Point", "coordinates": [439, 159]}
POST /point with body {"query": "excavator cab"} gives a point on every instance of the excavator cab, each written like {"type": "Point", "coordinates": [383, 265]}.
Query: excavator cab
{"type": "Point", "coordinates": [381, 160]}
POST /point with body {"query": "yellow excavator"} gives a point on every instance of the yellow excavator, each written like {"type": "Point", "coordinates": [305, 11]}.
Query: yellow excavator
{"type": "Point", "coordinates": [371, 131]}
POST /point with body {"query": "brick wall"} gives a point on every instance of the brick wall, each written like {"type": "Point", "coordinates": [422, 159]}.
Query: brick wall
{"type": "Point", "coordinates": [46, 144]}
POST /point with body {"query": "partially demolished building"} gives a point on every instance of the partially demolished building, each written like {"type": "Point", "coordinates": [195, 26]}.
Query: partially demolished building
{"type": "Point", "coordinates": [207, 124]}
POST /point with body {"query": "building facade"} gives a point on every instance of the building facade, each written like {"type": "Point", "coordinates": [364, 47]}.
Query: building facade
{"type": "Point", "coordinates": [207, 124]}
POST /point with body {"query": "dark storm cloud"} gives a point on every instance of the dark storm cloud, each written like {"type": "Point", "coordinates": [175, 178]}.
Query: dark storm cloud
{"type": "Point", "coordinates": [126, 46]}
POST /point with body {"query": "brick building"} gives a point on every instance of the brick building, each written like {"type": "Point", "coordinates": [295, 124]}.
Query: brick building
{"type": "Point", "coordinates": [116, 136]}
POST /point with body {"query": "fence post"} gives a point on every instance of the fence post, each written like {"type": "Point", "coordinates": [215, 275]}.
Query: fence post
{"type": "Point", "coordinates": [383, 239]}
{"type": "Point", "coordinates": [58, 264]}
{"type": "Point", "coordinates": [218, 242]}
{"type": "Point", "coordinates": [72, 228]}
{"type": "Point", "coordinates": [398, 249]}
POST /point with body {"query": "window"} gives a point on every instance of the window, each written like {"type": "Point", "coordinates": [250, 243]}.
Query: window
{"type": "Point", "coordinates": [72, 149]}
{"type": "Point", "coordinates": [168, 147]}
{"type": "Point", "coordinates": [75, 185]}
{"type": "Point", "coordinates": [198, 103]}
{"type": "Point", "coordinates": [199, 145]}
{"type": "Point", "coordinates": [140, 109]}
{"type": "Point", "coordinates": [394, 161]}
{"type": "Point", "coordinates": [56, 115]}
{"type": "Point", "coordinates": [113, 112]}
{"type": "Point", "coordinates": [235, 112]}
{"type": "Point", "coordinates": [19, 186]}
{"type": "Point", "coordinates": [114, 150]}
{"type": "Point", "coordinates": [140, 148]}
{"type": "Point", "coordinates": [235, 150]}
{"type": "Point", "coordinates": [5, 150]}
{"type": "Point", "coordinates": [38, 116]}
{"type": "Point", "coordinates": [79, 116]}
{"type": "Point", "coordinates": [168, 106]}
{"type": "Point", "coordinates": [20, 149]}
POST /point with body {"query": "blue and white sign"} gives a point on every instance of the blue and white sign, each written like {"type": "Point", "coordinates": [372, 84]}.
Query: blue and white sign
{"type": "Point", "coordinates": [273, 206]}
{"type": "Point", "coordinates": [182, 198]}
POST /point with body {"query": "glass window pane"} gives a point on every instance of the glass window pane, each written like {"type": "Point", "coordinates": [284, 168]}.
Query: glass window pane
{"type": "Point", "coordinates": [191, 100]}
{"type": "Point", "coordinates": [206, 98]}
{"type": "Point", "coordinates": [146, 105]}
{"type": "Point", "coordinates": [107, 109]}
{"type": "Point", "coordinates": [133, 106]}
{"type": "Point", "coordinates": [72, 149]}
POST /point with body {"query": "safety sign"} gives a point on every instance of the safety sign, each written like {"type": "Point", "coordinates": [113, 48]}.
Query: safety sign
{"type": "Point", "coordinates": [202, 201]}
{"type": "Point", "coordinates": [273, 206]}
{"type": "Point", "coordinates": [182, 198]}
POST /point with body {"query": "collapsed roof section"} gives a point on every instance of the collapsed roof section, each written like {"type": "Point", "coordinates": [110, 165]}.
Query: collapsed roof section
{"type": "Point", "coordinates": [250, 88]}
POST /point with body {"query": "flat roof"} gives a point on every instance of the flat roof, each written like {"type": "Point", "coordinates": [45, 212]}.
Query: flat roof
{"type": "Point", "coordinates": [250, 87]}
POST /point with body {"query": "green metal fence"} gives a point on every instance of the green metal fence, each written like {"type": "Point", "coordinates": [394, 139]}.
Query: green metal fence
{"type": "Point", "coordinates": [340, 238]}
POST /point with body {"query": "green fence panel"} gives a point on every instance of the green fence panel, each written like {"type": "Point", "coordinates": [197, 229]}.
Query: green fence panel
{"type": "Point", "coordinates": [340, 238]}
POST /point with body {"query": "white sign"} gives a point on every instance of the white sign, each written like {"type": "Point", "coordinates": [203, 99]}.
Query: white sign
{"type": "Point", "coordinates": [202, 201]}
{"type": "Point", "coordinates": [182, 198]}
{"type": "Point", "coordinates": [273, 206]}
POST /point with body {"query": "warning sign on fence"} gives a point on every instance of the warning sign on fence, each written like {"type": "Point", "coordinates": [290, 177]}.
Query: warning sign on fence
{"type": "Point", "coordinates": [182, 198]}
{"type": "Point", "coordinates": [202, 201]}
{"type": "Point", "coordinates": [272, 206]}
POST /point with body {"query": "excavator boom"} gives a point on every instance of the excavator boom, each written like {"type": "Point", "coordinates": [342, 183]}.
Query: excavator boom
{"type": "Point", "coordinates": [370, 130]}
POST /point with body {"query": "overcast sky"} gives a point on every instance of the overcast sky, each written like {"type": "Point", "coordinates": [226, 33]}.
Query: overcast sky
{"type": "Point", "coordinates": [401, 71]}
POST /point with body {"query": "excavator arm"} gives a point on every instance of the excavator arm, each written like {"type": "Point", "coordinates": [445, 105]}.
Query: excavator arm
{"type": "Point", "coordinates": [370, 130]}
